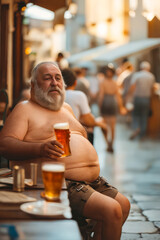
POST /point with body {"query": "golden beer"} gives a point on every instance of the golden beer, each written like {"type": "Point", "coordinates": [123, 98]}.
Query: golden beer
{"type": "Point", "coordinates": [62, 136]}
{"type": "Point", "coordinates": [53, 175]}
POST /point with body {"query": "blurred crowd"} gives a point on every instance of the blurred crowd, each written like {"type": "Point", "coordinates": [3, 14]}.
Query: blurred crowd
{"type": "Point", "coordinates": [108, 93]}
{"type": "Point", "coordinates": [97, 99]}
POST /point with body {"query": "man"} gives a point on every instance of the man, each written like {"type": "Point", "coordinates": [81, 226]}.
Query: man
{"type": "Point", "coordinates": [142, 83]}
{"type": "Point", "coordinates": [61, 61]}
{"type": "Point", "coordinates": [28, 136]}
{"type": "Point", "coordinates": [78, 101]}
{"type": "Point", "coordinates": [82, 82]}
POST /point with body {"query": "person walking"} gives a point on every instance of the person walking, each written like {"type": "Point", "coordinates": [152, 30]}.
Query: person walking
{"type": "Point", "coordinates": [62, 61]}
{"type": "Point", "coordinates": [109, 101]}
{"type": "Point", "coordinates": [78, 101]}
{"type": "Point", "coordinates": [142, 84]}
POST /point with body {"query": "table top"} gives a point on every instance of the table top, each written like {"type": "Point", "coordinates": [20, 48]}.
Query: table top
{"type": "Point", "coordinates": [15, 222]}
{"type": "Point", "coordinates": [12, 211]}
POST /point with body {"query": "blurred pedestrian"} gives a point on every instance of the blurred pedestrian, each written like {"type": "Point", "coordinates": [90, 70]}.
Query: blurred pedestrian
{"type": "Point", "coordinates": [84, 86]}
{"type": "Point", "coordinates": [109, 101]}
{"type": "Point", "coordinates": [125, 85]}
{"type": "Point", "coordinates": [142, 84]}
{"type": "Point", "coordinates": [82, 82]}
{"type": "Point", "coordinates": [122, 66]}
{"type": "Point", "coordinates": [128, 69]}
{"type": "Point", "coordinates": [62, 61]}
{"type": "Point", "coordinates": [79, 102]}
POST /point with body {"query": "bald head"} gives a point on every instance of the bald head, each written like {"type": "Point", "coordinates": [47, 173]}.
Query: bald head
{"type": "Point", "coordinates": [36, 68]}
{"type": "Point", "coordinates": [145, 66]}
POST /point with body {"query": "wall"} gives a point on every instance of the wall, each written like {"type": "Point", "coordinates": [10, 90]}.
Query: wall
{"type": "Point", "coordinates": [138, 25]}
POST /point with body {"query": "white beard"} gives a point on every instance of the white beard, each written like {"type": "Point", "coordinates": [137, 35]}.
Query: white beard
{"type": "Point", "coordinates": [53, 103]}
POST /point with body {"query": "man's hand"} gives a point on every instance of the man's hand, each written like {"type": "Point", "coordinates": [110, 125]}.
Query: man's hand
{"type": "Point", "coordinates": [52, 149]}
{"type": "Point", "coordinates": [123, 111]}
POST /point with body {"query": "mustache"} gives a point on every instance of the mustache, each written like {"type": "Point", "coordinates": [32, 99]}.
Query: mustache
{"type": "Point", "coordinates": [54, 89]}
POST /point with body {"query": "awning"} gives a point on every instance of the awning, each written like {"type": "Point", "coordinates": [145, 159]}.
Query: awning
{"type": "Point", "coordinates": [52, 5]}
{"type": "Point", "coordinates": [115, 51]}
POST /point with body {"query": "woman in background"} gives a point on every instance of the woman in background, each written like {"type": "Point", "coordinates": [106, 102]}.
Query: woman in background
{"type": "Point", "coordinates": [109, 102]}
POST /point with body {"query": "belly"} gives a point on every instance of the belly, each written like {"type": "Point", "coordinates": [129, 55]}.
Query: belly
{"type": "Point", "coordinates": [83, 164]}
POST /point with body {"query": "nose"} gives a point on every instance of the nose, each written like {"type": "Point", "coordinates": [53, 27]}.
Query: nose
{"type": "Point", "coordinates": [53, 82]}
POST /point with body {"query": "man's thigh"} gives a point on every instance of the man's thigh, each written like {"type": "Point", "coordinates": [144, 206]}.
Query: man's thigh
{"type": "Point", "coordinates": [99, 206]}
{"type": "Point", "coordinates": [79, 193]}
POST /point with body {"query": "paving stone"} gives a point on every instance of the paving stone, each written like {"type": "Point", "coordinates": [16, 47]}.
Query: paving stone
{"type": "Point", "coordinates": [135, 207]}
{"type": "Point", "coordinates": [127, 236]}
{"type": "Point", "coordinates": [152, 215]}
{"type": "Point", "coordinates": [156, 164]}
{"type": "Point", "coordinates": [147, 178]}
{"type": "Point", "coordinates": [157, 224]}
{"type": "Point", "coordinates": [129, 197]}
{"type": "Point", "coordinates": [139, 227]}
{"type": "Point", "coordinates": [134, 169]}
{"type": "Point", "coordinates": [151, 236]}
{"type": "Point", "coordinates": [154, 170]}
{"type": "Point", "coordinates": [149, 205]}
{"type": "Point", "coordinates": [146, 189]}
{"type": "Point", "coordinates": [136, 216]}
{"type": "Point", "coordinates": [138, 197]}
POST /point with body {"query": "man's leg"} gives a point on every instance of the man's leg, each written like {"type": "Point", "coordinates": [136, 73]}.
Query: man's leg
{"type": "Point", "coordinates": [135, 121]}
{"type": "Point", "coordinates": [107, 212]}
{"type": "Point", "coordinates": [144, 116]}
{"type": "Point", "coordinates": [125, 205]}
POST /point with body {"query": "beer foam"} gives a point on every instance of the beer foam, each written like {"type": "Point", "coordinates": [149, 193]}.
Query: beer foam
{"type": "Point", "coordinates": [53, 168]}
{"type": "Point", "coordinates": [64, 125]}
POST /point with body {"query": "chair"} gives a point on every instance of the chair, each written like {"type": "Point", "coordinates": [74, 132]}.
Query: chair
{"type": "Point", "coordinates": [86, 227]}
{"type": "Point", "coordinates": [3, 114]}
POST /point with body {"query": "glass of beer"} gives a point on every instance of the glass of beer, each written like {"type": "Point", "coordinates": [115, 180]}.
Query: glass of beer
{"type": "Point", "coordinates": [62, 136]}
{"type": "Point", "coordinates": [53, 177]}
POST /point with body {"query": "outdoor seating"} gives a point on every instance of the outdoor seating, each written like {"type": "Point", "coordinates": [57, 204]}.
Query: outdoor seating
{"type": "Point", "coordinates": [86, 227]}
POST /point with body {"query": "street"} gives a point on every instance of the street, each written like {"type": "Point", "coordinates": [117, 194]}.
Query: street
{"type": "Point", "coordinates": [134, 168]}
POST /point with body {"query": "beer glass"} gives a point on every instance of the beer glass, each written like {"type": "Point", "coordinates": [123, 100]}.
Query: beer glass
{"type": "Point", "coordinates": [62, 136]}
{"type": "Point", "coordinates": [53, 176]}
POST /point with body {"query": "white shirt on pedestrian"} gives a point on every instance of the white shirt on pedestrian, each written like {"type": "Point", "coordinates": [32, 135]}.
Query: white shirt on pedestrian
{"type": "Point", "coordinates": [78, 101]}
{"type": "Point", "coordinates": [144, 81]}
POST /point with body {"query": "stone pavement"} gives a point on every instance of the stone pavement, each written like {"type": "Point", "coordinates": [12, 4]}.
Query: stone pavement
{"type": "Point", "coordinates": [134, 169]}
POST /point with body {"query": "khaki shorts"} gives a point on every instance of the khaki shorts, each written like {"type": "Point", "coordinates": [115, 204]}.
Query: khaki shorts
{"type": "Point", "coordinates": [79, 193]}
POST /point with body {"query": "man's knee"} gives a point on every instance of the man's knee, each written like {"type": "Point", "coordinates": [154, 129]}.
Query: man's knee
{"type": "Point", "coordinates": [115, 212]}
{"type": "Point", "coordinates": [126, 207]}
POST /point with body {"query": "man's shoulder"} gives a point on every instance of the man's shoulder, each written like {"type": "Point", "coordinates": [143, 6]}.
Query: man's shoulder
{"type": "Point", "coordinates": [66, 106]}
{"type": "Point", "coordinates": [24, 105]}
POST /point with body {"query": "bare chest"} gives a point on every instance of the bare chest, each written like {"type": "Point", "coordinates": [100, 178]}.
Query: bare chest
{"type": "Point", "coordinates": [41, 129]}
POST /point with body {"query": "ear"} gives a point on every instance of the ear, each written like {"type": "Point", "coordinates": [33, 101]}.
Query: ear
{"type": "Point", "coordinates": [75, 83]}
{"type": "Point", "coordinates": [32, 87]}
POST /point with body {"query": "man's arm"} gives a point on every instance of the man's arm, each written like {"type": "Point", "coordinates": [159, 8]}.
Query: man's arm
{"type": "Point", "coordinates": [15, 149]}
{"type": "Point", "coordinates": [90, 121]}
{"type": "Point", "coordinates": [12, 144]}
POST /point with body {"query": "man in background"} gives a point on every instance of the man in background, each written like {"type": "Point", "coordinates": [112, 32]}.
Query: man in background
{"type": "Point", "coordinates": [78, 101]}
{"type": "Point", "coordinates": [142, 84]}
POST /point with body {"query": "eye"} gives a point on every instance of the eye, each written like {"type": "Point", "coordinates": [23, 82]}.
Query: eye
{"type": "Point", "coordinates": [47, 78]}
{"type": "Point", "coordinates": [58, 77]}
